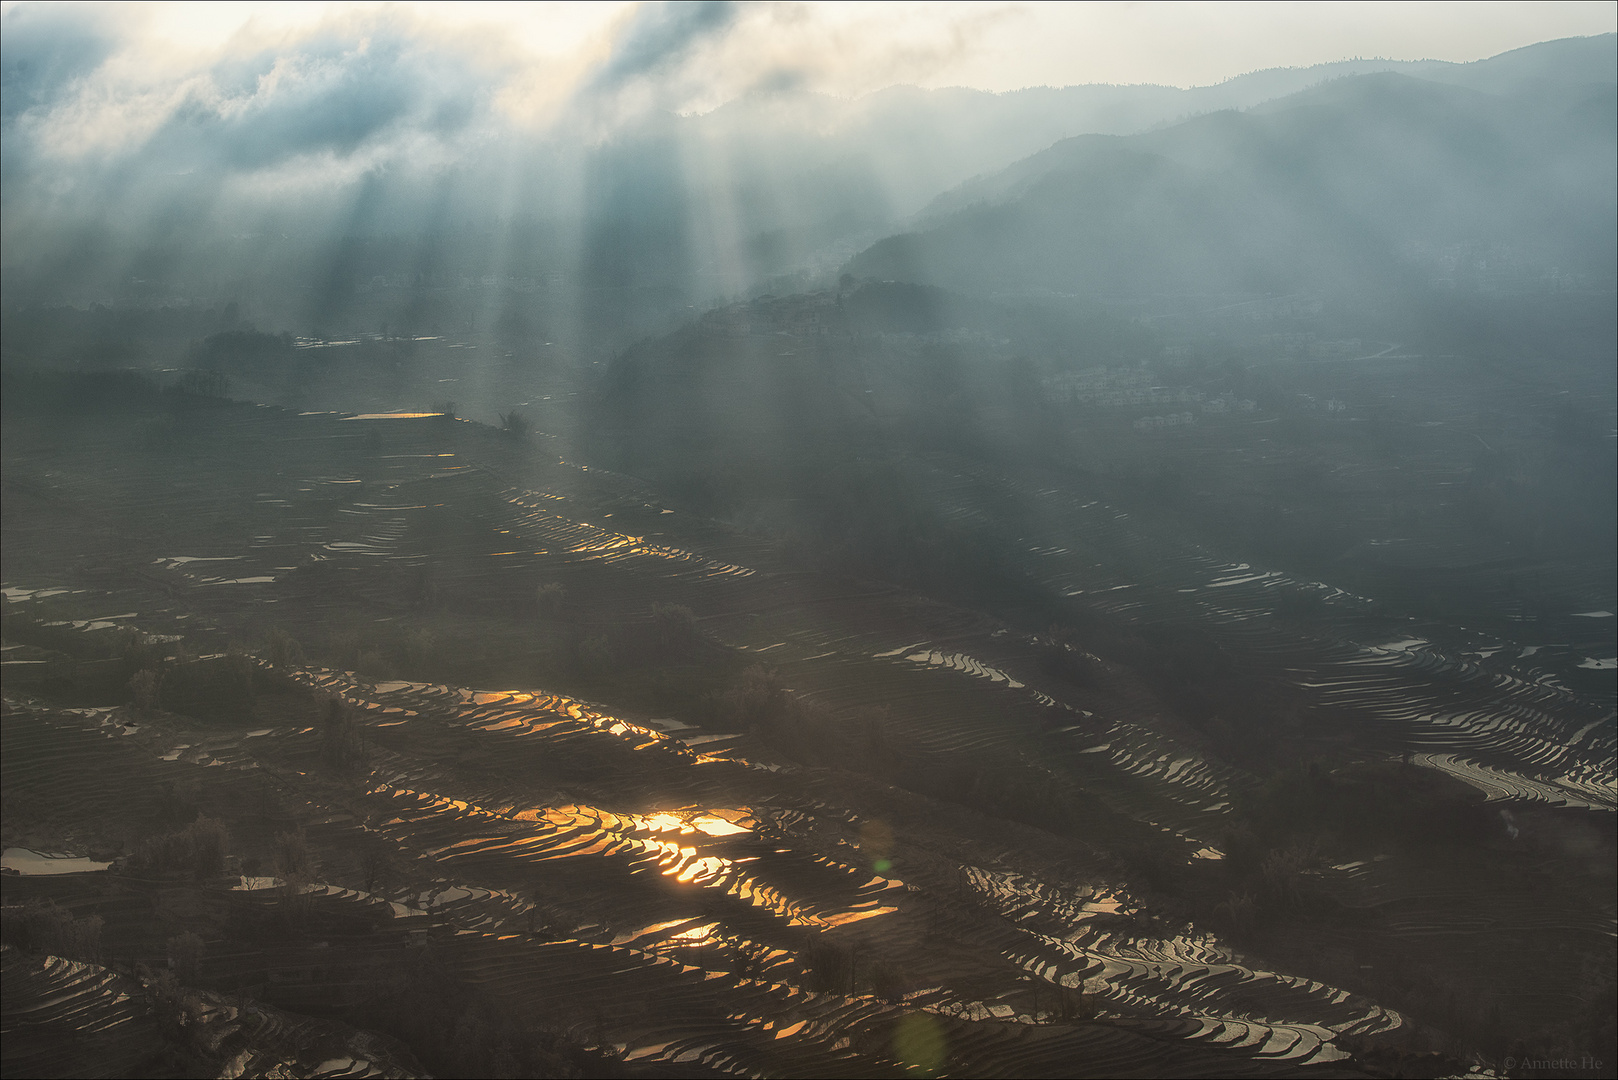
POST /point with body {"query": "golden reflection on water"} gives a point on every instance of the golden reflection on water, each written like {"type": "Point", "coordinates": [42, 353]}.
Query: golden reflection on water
{"type": "Point", "coordinates": [695, 936]}
{"type": "Point", "coordinates": [712, 822]}
{"type": "Point", "coordinates": [394, 415]}
{"type": "Point", "coordinates": [668, 840]}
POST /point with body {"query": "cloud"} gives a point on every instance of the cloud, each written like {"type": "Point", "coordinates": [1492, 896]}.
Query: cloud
{"type": "Point", "coordinates": [841, 50]}
{"type": "Point", "coordinates": [101, 109]}
{"type": "Point", "coordinates": [93, 89]}
{"type": "Point", "coordinates": [334, 93]}
{"type": "Point", "coordinates": [101, 101]}
{"type": "Point", "coordinates": [659, 37]}
{"type": "Point", "coordinates": [46, 49]}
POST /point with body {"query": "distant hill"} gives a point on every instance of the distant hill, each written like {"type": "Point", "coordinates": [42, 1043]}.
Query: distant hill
{"type": "Point", "coordinates": [799, 175]}
{"type": "Point", "coordinates": [1370, 184]}
{"type": "Point", "coordinates": [599, 244]}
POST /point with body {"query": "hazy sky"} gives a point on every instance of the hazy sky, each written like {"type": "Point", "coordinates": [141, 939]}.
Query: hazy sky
{"type": "Point", "coordinates": [851, 48]}
{"type": "Point", "coordinates": [183, 126]}
{"type": "Point", "coordinates": [134, 102]}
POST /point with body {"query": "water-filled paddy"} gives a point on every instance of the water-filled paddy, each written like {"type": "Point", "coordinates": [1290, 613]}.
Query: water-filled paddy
{"type": "Point", "coordinates": [717, 899]}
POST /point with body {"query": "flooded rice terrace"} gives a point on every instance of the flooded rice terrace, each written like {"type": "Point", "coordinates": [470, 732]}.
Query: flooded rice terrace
{"type": "Point", "coordinates": [671, 793]}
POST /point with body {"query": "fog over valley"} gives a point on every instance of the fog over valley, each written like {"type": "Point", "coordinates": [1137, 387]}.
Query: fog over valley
{"type": "Point", "coordinates": [723, 539]}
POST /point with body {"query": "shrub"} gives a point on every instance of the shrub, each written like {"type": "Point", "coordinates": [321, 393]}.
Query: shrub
{"type": "Point", "coordinates": [282, 649]}
{"type": "Point", "coordinates": [888, 981]}
{"type": "Point", "coordinates": [47, 927]}
{"type": "Point", "coordinates": [755, 700]}
{"type": "Point", "coordinates": [199, 847]}
{"type": "Point", "coordinates": [216, 686]}
{"type": "Point", "coordinates": [373, 665]}
{"type": "Point", "coordinates": [1282, 884]}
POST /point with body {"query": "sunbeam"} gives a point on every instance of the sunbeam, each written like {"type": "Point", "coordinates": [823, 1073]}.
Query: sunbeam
{"type": "Point", "coordinates": [809, 539]}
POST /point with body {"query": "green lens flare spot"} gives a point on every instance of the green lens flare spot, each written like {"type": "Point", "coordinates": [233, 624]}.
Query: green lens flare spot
{"type": "Point", "coordinates": [918, 1041]}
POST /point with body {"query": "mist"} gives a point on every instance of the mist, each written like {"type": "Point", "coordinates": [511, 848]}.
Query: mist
{"type": "Point", "coordinates": [373, 154]}
{"type": "Point", "coordinates": [685, 539]}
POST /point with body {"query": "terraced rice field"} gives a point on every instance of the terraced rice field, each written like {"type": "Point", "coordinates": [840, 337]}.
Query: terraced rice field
{"type": "Point", "coordinates": [68, 1018]}
{"type": "Point", "coordinates": [681, 893]}
{"type": "Point", "coordinates": [715, 913]}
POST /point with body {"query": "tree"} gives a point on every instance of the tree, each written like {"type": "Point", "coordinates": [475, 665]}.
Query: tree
{"type": "Point", "coordinates": [374, 864]}
{"type": "Point", "coordinates": [47, 927]}
{"type": "Point", "coordinates": [595, 655]}
{"type": "Point", "coordinates": [676, 627]}
{"type": "Point", "coordinates": [340, 741]}
{"type": "Point", "coordinates": [296, 868]}
{"type": "Point", "coordinates": [373, 665]}
{"type": "Point", "coordinates": [199, 847]}
{"type": "Point", "coordinates": [755, 700]}
{"type": "Point", "coordinates": [281, 649]}
{"type": "Point", "coordinates": [292, 856]}
{"type": "Point", "coordinates": [204, 382]}
{"type": "Point", "coordinates": [185, 955]}
{"type": "Point", "coordinates": [143, 688]}
{"type": "Point", "coordinates": [548, 597]}
{"type": "Point", "coordinates": [418, 649]}
{"type": "Point", "coordinates": [514, 425]}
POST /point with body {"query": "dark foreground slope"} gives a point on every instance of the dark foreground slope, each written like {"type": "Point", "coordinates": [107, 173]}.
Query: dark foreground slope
{"type": "Point", "coordinates": [816, 824]}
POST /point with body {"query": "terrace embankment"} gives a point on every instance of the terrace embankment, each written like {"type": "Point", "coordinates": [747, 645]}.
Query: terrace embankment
{"type": "Point", "coordinates": [67, 1017]}
{"type": "Point", "coordinates": [650, 795]}
{"type": "Point", "coordinates": [743, 938]}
